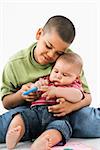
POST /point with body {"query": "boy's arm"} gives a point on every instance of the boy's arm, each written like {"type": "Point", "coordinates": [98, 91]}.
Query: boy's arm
{"type": "Point", "coordinates": [13, 100]}
{"type": "Point", "coordinates": [17, 98]}
{"type": "Point", "coordinates": [10, 92]}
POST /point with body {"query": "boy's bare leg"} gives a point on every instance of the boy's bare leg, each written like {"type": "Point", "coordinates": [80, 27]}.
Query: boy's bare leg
{"type": "Point", "coordinates": [47, 139]}
{"type": "Point", "coordinates": [15, 132]}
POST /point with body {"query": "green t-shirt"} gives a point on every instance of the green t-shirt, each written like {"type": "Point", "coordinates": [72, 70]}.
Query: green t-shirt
{"type": "Point", "coordinates": [22, 68]}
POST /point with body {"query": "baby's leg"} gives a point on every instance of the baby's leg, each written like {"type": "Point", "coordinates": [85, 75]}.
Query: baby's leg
{"type": "Point", "coordinates": [47, 139]}
{"type": "Point", "coordinates": [15, 132]}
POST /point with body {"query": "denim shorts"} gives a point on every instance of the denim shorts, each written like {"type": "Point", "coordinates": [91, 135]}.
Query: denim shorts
{"type": "Point", "coordinates": [37, 119]}
{"type": "Point", "coordinates": [82, 121]}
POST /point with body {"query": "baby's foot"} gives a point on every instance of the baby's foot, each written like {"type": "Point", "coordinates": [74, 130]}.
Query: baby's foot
{"type": "Point", "coordinates": [12, 137]}
{"type": "Point", "coordinates": [42, 144]}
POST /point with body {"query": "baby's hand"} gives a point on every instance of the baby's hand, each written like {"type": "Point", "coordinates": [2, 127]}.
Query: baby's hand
{"type": "Point", "coordinates": [40, 83]}
{"type": "Point", "coordinates": [50, 93]}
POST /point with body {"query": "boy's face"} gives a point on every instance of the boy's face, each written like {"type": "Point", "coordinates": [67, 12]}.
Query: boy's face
{"type": "Point", "coordinates": [49, 47]}
{"type": "Point", "coordinates": [63, 73]}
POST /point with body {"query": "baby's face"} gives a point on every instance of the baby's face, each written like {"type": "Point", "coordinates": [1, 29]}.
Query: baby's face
{"type": "Point", "coordinates": [49, 47]}
{"type": "Point", "coordinates": [62, 73]}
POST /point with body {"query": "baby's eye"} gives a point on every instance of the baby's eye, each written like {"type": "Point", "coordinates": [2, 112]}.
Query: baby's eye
{"type": "Point", "coordinates": [65, 75]}
{"type": "Point", "coordinates": [56, 71]}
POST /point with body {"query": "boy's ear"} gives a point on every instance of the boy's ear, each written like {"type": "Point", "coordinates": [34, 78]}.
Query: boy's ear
{"type": "Point", "coordinates": [39, 33]}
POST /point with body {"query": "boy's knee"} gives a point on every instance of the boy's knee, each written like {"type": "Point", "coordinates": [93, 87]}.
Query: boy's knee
{"type": "Point", "coordinates": [82, 113]}
{"type": "Point", "coordinates": [17, 121]}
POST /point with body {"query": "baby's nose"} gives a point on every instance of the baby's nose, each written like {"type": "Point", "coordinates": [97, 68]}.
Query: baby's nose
{"type": "Point", "coordinates": [59, 76]}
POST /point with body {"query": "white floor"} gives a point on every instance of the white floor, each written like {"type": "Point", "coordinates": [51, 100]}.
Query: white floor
{"type": "Point", "coordinates": [93, 143]}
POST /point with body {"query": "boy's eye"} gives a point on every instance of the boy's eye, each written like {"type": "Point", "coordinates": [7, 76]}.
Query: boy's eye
{"type": "Point", "coordinates": [48, 47]}
{"type": "Point", "coordinates": [60, 53]}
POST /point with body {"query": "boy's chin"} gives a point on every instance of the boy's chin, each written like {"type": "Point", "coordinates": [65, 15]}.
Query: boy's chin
{"type": "Point", "coordinates": [45, 63]}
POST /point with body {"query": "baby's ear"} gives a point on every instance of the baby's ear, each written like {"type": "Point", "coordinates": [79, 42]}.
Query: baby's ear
{"type": "Point", "coordinates": [39, 33]}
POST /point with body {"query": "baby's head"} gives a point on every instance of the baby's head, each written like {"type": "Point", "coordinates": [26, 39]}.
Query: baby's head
{"type": "Point", "coordinates": [67, 69]}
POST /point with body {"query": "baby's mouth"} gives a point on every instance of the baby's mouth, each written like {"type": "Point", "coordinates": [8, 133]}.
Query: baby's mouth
{"type": "Point", "coordinates": [56, 82]}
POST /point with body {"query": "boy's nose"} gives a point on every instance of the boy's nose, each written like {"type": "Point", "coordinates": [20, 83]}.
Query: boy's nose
{"type": "Point", "coordinates": [51, 54]}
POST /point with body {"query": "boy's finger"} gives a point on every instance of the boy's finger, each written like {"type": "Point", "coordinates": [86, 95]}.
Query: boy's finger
{"type": "Point", "coordinates": [60, 114]}
{"type": "Point", "coordinates": [60, 100]}
{"type": "Point", "coordinates": [55, 108]}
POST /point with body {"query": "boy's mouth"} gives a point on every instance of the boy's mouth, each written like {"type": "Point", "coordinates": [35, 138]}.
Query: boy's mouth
{"type": "Point", "coordinates": [47, 58]}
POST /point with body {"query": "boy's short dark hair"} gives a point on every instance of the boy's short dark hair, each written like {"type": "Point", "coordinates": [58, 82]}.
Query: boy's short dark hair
{"type": "Point", "coordinates": [63, 26]}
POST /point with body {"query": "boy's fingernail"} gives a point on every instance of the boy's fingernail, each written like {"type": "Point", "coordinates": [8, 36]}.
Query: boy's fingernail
{"type": "Point", "coordinates": [49, 109]}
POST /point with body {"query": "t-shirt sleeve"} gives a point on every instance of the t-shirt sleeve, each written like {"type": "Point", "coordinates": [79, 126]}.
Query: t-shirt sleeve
{"type": "Point", "coordinates": [84, 83]}
{"type": "Point", "coordinates": [77, 84]}
{"type": "Point", "coordinates": [8, 81]}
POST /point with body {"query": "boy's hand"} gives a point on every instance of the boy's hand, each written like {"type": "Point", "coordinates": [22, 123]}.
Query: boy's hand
{"type": "Point", "coordinates": [61, 109]}
{"type": "Point", "coordinates": [32, 96]}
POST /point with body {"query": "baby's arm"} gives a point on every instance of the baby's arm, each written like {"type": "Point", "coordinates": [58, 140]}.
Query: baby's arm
{"type": "Point", "coordinates": [69, 93]}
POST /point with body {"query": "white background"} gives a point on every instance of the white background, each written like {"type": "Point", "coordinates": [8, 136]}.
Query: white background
{"type": "Point", "coordinates": [20, 19]}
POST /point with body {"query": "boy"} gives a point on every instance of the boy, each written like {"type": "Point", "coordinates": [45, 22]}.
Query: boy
{"type": "Point", "coordinates": [30, 64]}
{"type": "Point", "coordinates": [63, 82]}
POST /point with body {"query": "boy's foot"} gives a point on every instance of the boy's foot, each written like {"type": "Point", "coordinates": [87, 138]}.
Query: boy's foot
{"type": "Point", "coordinates": [42, 144]}
{"type": "Point", "coordinates": [12, 137]}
